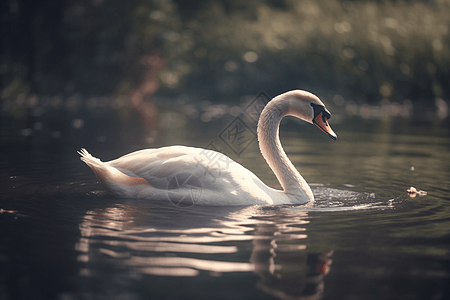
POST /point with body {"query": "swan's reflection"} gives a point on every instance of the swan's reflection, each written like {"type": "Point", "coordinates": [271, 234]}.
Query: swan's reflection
{"type": "Point", "coordinates": [162, 240]}
{"type": "Point", "coordinates": [286, 272]}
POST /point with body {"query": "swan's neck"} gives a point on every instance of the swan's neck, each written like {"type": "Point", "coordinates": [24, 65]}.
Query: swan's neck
{"type": "Point", "coordinates": [269, 142]}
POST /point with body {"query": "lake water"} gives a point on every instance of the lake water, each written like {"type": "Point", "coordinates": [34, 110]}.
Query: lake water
{"type": "Point", "coordinates": [63, 238]}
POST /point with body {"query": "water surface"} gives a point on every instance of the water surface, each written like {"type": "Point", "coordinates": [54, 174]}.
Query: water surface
{"type": "Point", "coordinates": [364, 237]}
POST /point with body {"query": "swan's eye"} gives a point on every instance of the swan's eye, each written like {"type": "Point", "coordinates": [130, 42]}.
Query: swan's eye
{"type": "Point", "coordinates": [321, 109]}
{"type": "Point", "coordinates": [326, 113]}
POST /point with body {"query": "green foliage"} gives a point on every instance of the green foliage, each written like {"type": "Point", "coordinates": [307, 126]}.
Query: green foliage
{"type": "Point", "coordinates": [363, 50]}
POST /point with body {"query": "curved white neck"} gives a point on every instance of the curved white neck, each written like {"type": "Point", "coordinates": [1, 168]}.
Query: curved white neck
{"type": "Point", "coordinates": [269, 143]}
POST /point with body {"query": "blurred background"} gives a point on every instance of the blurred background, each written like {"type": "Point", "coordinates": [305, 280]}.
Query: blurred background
{"type": "Point", "coordinates": [118, 76]}
{"type": "Point", "coordinates": [366, 58]}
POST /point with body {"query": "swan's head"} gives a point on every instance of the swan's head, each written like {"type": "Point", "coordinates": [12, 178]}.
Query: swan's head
{"type": "Point", "coordinates": [308, 107]}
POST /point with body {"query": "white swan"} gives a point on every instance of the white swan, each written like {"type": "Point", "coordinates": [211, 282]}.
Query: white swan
{"type": "Point", "coordinates": [190, 175]}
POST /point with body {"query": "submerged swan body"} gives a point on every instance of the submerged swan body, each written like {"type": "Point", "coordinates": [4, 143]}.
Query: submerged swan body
{"type": "Point", "coordinates": [205, 177]}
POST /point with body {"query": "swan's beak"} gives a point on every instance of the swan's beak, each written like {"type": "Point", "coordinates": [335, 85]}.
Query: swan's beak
{"type": "Point", "coordinates": [321, 121]}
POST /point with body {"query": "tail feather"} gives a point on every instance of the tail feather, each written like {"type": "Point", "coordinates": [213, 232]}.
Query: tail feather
{"type": "Point", "coordinates": [89, 159]}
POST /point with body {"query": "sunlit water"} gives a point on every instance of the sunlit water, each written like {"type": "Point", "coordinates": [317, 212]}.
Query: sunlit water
{"type": "Point", "coordinates": [364, 237]}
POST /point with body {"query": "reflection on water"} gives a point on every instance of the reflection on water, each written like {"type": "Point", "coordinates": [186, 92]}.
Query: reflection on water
{"type": "Point", "coordinates": [142, 238]}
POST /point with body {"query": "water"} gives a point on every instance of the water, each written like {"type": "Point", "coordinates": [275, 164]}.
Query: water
{"type": "Point", "coordinates": [63, 238]}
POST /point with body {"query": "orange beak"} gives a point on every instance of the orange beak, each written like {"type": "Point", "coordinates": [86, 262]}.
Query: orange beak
{"type": "Point", "coordinates": [321, 121]}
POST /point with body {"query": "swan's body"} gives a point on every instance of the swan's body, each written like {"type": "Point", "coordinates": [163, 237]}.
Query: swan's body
{"type": "Point", "coordinates": [205, 177]}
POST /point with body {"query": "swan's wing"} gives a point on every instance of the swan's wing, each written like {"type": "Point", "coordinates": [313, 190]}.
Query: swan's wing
{"type": "Point", "coordinates": [140, 163]}
{"type": "Point", "coordinates": [221, 180]}
{"type": "Point", "coordinates": [158, 166]}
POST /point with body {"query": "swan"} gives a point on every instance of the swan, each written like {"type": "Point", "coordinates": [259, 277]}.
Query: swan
{"type": "Point", "coordinates": [198, 176]}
